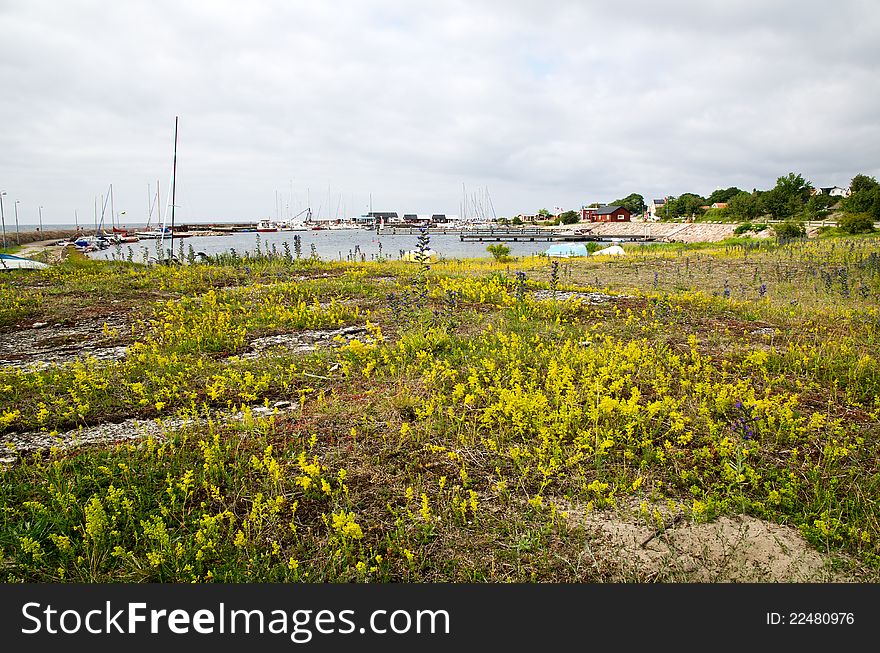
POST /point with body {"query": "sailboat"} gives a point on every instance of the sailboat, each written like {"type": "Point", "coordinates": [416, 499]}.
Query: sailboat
{"type": "Point", "coordinates": [151, 232]}
{"type": "Point", "coordinates": [292, 224]}
{"type": "Point", "coordinates": [99, 240]}
{"type": "Point", "coordinates": [118, 234]}
{"type": "Point", "coordinates": [166, 231]}
{"type": "Point", "coordinates": [173, 189]}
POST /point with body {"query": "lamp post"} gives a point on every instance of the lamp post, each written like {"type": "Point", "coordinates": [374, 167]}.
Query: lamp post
{"type": "Point", "coordinates": [3, 218]}
{"type": "Point", "coordinates": [17, 237]}
{"type": "Point", "coordinates": [41, 219]}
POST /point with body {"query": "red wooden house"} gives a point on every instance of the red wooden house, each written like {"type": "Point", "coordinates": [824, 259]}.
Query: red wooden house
{"type": "Point", "coordinates": [606, 214]}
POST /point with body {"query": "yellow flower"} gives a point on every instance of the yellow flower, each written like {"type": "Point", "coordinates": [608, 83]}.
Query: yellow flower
{"type": "Point", "coordinates": [345, 525]}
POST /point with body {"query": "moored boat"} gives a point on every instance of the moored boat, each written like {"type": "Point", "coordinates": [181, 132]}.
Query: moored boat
{"type": "Point", "coordinates": [156, 232]}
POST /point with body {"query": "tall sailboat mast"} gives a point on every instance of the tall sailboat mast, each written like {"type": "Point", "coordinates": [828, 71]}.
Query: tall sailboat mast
{"type": "Point", "coordinates": [170, 200]}
{"type": "Point", "coordinates": [173, 185]}
{"type": "Point", "coordinates": [149, 206]}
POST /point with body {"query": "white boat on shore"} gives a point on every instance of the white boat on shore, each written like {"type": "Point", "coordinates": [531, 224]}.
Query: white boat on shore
{"type": "Point", "coordinates": [10, 262]}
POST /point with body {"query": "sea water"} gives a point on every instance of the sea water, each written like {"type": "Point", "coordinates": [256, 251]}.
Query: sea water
{"type": "Point", "coordinates": [329, 245]}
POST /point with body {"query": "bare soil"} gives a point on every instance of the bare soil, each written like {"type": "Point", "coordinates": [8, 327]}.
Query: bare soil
{"type": "Point", "coordinates": [738, 549]}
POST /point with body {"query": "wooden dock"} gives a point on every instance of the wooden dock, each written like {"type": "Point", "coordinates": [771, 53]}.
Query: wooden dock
{"type": "Point", "coordinates": [545, 235]}
{"type": "Point", "coordinates": [415, 231]}
{"type": "Point", "coordinates": [516, 234]}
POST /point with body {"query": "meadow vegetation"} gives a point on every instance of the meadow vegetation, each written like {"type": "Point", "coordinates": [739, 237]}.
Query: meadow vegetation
{"type": "Point", "coordinates": [485, 405]}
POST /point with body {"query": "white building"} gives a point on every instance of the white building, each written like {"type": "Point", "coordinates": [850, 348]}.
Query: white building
{"type": "Point", "coordinates": [833, 191]}
{"type": "Point", "coordinates": [653, 207]}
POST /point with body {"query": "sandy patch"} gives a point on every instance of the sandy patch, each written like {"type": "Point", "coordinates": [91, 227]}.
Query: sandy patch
{"type": "Point", "coordinates": [727, 549]}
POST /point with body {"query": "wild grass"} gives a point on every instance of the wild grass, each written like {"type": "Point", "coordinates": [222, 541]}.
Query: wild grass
{"type": "Point", "coordinates": [451, 440]}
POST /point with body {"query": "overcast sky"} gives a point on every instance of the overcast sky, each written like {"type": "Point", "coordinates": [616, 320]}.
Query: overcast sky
{"type": "Point", "coordinates": [527, 104]}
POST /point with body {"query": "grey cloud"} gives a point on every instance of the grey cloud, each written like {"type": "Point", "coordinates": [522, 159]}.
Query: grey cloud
{"type": "Point", "coordinates": [548, 104]}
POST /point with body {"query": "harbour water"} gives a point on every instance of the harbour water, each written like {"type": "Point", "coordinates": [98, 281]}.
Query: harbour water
{"type": "Point", "coordinates": [329, 245]}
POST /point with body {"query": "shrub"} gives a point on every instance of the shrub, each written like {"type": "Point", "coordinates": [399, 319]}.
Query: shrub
{"type": "Point", "coordinates": [789, 229]}
{"type": "Point", "coordinates": [857, 223]}
{"type": "Point", "coordinates": [748, 226]}
{"type": "Point", "coordinates": [500, 252]}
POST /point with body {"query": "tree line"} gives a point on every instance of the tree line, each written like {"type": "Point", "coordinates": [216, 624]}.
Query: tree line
{"type": "Point", "coordinates": [791, 199]}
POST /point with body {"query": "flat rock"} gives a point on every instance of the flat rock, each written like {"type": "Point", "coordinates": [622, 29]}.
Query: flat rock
{"type": "Point", "coordinates": [14, 444]}
{"type": "Point", "coordinates": [302, 341]}
{"type": "Point", "coordinates": [38, 348]}
{"type": "Point", "coordinates": [594, 298]}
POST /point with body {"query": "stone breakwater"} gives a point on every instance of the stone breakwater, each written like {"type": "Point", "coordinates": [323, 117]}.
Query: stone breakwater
{"type": "Point", "coordinates": [660, 231]}
{"type": "Point", "coordinates": [26, 237]}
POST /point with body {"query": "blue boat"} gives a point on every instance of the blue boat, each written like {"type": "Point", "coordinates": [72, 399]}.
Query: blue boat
{"type": "Point", "coordinates": [567, 250]}
{"type": "Point", "coordinates": [10, 262]}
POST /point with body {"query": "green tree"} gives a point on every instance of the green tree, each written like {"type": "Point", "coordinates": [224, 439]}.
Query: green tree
{"type": "Point", "coordinates": [864, 197]}
{"type": "Point", "coordinates": [722, 195]}
{"type": "Point", "coordinates": [788, 197]}
{"type": "Point", "coordinates": [744, 206]}
{"type": "Point", "coordinates": [683, 206]}
{"type": "Point", "coordinates": [544, 213]}
{"type": "Point", "coordinates": [516, 221]}
{"type": "Point", "coordinates": [569, 217]}
{"type": "Point", "coordinates": [862, 182]}
{"type": "Point", "coordinates": [688, 205]}
{"type": "Point", "coordinates": [668, 210]}
{"type": "Point", "coordinates": [818, 206]}
{"type": "Point", "coordinates": [634, 203]}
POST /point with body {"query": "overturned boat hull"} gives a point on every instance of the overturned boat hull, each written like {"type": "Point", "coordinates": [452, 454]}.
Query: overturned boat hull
{"type": "Point", "coordinates": [10, 262]}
